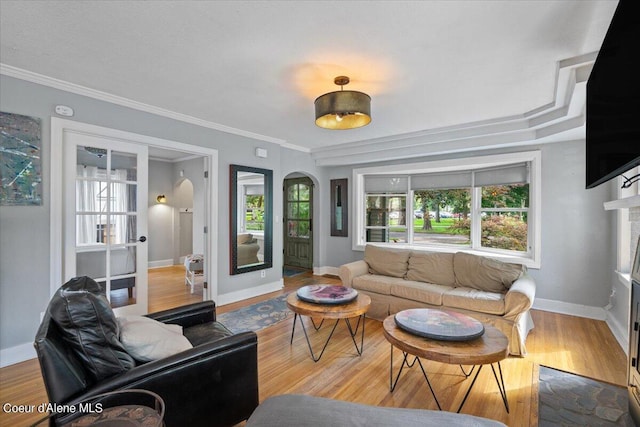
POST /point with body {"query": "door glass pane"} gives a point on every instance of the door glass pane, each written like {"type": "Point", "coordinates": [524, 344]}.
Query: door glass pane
{"type": "Point", "coordinates": [303, 192]}
{"type": "Point", "coordinates": [91, 156]}
{"type": "Point", "coordinates": [303, 210]}
{"type": "Point", "coordinates": [303, 229]}
{"type": "Point", "coordinates": [91, 229]}
{"type": "Point", "coordinates": [123, 197]}
{"type": "Point", "coordinates": [293, 192]}
{"type": "Point", "coordinates": [124, 166]}
{"type": "Point", "coordinates": [92, 264]}
{"type": "Point", "coordinates": [123, 261]}
{"type": "Point", "coordinates": [123, 229]}
{"type": "Point", "coordinates": [292, 209]}
{"type": "Point", "coordinates": [292, 228]}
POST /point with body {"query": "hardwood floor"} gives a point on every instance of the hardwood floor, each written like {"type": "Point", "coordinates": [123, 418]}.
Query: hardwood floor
{"type": "Point", "coordinates": [573, 344]}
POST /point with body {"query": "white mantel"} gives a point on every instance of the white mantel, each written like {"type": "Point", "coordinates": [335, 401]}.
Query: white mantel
{"type": "Point", "coordinates": [626, 203]}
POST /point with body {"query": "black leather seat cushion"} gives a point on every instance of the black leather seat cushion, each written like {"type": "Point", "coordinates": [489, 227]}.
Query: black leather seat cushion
{"type": "Point", "coordinates": [88, 325]}
{"type": "Point", "coordinates": [206, 333]}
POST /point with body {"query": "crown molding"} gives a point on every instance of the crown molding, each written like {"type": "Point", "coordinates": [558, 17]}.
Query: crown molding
{"type": "Point", "coordinates": [41, 79]}
{"type": "Point", "coordinates": [543, 124]}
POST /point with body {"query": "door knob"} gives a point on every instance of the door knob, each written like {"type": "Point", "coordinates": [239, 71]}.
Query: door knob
{"type": "Point", "coordinates": [142, 239]}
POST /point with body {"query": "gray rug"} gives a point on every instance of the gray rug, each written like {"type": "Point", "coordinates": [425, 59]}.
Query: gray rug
{"type": "Point", "coordinates": [257, 316]}
{"type": "Point", "coordinates": [571, 400]}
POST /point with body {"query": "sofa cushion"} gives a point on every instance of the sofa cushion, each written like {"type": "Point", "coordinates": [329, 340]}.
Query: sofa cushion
{"type": "Point", "coordinates": [428, 293]}
{"type": "Point", "coordinates": [88, 325]}
{"type": "Point", "coordinates": [386, 261]}
{"type": "Point", "coordinates": [474, 300]}
{"type": "Point", "coordinates": [484, 273]}
{"type": "Point", "coordinates": [431, 267]}
{"type": "Point", "coordinates": [244, 238]}
{"type": "Point", "coordinates": [375, 283]}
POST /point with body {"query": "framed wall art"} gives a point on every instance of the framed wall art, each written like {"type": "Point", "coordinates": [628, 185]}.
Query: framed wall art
{"type": "Point", "coordinates": [20, 160]}
{"type": "Point", "coordinates": [339, 208]}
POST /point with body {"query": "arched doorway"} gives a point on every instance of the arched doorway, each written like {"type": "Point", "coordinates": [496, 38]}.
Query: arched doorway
{"type": "Point", "coordinates": [298, 223]}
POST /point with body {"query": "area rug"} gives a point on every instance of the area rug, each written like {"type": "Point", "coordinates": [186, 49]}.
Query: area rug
{"type": "Point", "coordinates": [290, 272]}
{"type": "Point", "coordinates": [571, 400]}
{"type": "Point", "coordinates": [257, 316]}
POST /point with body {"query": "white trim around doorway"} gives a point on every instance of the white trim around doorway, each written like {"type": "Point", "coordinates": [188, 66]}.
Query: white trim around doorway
{"type": "Point", "coordinates": [58, 129]}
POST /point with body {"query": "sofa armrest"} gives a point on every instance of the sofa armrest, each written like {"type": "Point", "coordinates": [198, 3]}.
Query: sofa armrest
{"type": "Point", "coordinates": [519, 298]}
{"type": "Point", "coordinates": [348, 272]}
{"type": "Point", "coordinates": [187, 315]}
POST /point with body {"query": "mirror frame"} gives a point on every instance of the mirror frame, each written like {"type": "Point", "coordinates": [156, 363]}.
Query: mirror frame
{"type": "Point", "coordinates": [233, 219]}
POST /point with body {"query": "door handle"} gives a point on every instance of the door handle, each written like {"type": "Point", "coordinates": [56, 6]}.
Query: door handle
{"type": "Point", "coordinates": [142, 239]}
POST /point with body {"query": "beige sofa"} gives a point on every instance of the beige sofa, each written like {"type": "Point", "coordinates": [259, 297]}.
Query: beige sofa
{"type": "Point", "coordinates": [491, 291]}
{"type": "Point", "coordinates": [248, 248]}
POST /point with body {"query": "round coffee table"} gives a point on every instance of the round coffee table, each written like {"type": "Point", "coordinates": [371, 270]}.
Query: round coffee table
{"type": "Point", "coordinates": [356, 308]}
{"type": "Point", "coordinates": [488, 349]}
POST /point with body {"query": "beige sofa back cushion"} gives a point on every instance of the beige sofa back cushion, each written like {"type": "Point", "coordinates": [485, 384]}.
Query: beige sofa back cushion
{"type": "Point", "coordinates": [431, 267]}
{"type": "Point", "coordinates": [386, 261]}
{"type": "Point", "coordinates": [483, 273]}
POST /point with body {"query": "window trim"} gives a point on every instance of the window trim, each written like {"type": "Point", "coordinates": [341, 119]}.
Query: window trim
{"type": "Point", "coordinates": [530, 259]}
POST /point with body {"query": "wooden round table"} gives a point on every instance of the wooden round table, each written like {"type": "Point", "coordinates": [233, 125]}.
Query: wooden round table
{"type": "Point", "coordinates": [489, 349]}
{"type": "Point", "coordinates": [357, 308]}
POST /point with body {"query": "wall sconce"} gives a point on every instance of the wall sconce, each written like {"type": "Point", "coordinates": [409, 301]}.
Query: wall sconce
{"type": "Point", "coordinates": [161, 198]}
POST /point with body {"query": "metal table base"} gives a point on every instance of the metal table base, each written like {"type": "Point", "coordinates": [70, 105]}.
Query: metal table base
{"type": "Point", "coordinates": [352, 332]}
{"type": "Point", "coordinates": [405, 362]}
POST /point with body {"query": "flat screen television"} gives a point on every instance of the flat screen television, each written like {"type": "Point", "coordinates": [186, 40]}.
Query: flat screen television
{"type": "Point", "coordinates": [613, 99]}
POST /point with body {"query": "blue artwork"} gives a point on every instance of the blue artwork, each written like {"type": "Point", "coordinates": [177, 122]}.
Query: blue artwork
{"type": "Point", "coordinates": [20, 160]}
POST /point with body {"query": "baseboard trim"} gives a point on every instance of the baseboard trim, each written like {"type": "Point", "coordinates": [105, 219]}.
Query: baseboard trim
{"type": "Point", "coordinates": [160, 263]}
{"type": "Point", "coordinates": [619, 332]}
{"type": "Point", "coordinates": [321, 271]}
{"type": "Point", "coordinates": [17, 354]}
{"type": "Point", "coordinates": [243, 294]}
{"type": "Point", "coordinates": [597, 313]}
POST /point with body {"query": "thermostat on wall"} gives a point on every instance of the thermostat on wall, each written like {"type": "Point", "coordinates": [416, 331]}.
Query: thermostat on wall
{"type": "Point", "coordinates": [63, 110]}
{"type": "Point", "coordinates": [261, 152]}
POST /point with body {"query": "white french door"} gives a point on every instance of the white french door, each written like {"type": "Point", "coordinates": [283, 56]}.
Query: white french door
{"type": "Point", "coordinates": [105, 216]}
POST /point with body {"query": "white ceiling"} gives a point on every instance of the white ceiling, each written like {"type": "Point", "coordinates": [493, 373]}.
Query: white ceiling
{"type": "Point", "coordinates": [255, 67]}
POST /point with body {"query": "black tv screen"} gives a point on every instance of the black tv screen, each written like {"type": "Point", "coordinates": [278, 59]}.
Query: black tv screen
{"type": "Point", "coordinates": [613, 99]}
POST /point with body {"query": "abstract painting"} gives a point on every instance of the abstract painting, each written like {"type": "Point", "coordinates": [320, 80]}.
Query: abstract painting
{"type": "Point", "coordinates": [20, 160]}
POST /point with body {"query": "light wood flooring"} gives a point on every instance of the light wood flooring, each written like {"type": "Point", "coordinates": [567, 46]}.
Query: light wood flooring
{"type": "Point", "coordinates": [582, 346]}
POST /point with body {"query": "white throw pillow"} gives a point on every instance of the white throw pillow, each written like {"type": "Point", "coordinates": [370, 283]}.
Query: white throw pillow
{"type": "Point", "coordinates": [146, 339]}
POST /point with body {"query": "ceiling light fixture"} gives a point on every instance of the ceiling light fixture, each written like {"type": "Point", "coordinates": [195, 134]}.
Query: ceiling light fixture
{"type": "Point", "coordinates": [343, 109]}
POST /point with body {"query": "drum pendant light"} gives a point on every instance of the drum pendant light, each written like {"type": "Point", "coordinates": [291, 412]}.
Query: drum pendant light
{"type": "Point", "coordinates": [343, 109]}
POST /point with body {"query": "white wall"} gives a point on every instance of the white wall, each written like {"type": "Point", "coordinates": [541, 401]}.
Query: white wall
{"type": "Point", "coordinates": [160, 216]}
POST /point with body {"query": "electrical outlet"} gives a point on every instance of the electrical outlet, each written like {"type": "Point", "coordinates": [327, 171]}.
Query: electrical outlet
{"type": "Point", "coordinates": [263, 273]}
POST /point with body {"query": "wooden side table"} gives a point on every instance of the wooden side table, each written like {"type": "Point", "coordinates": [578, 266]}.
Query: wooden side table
{"type": "Point", "coordinates": [489, 349]}
{"type": "Point", "coordinates": [356, 308]}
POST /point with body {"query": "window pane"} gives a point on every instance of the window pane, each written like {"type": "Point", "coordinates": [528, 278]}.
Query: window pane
{"type": "Point", "coordinates": [386, 218]}
{"type": "Point", "coordinates": [254, 205]}
{"type": "Point", "coordinates": [506, 196]}
{"type": "Point", "coordinates": [504, 230]}
{"type": "Point", "coordinates": [92, 264]}
{"type": "Point", "coordinates": [442, 216]}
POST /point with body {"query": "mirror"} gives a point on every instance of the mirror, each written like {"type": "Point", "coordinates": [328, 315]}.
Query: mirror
{"type": "Point", "coordinates": [251, 218]}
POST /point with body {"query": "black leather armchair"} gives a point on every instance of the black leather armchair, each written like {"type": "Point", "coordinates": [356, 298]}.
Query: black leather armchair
{"type": "Point", "coordinates": [215, 383]}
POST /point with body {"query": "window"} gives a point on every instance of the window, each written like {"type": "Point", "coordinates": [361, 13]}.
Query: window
{"type": "Point", "coordinates": [480, 204]}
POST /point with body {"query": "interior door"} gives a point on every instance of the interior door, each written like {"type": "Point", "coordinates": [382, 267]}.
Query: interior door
{"type": "Point", "coordinates": [105, 213]}
{"type": "Point", "coordinates": [298, 232]}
